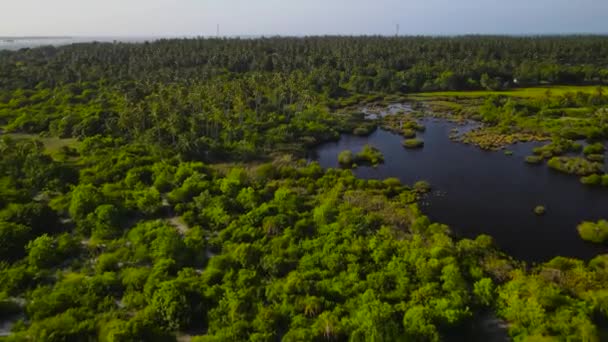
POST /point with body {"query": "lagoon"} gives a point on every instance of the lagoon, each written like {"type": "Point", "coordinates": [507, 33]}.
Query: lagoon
{"type": "Point", "coordinates": [480, 192]}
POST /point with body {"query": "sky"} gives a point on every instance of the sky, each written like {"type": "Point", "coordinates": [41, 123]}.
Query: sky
{"type": "Point", "coordinates": [296, 17]}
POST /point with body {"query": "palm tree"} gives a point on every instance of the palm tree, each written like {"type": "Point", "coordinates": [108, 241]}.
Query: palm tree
{"type": "Point", "coordinates": [312, 306]}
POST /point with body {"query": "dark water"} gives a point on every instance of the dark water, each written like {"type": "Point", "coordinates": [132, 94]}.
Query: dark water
{"type": "Point", "coordinates": [479, 192]}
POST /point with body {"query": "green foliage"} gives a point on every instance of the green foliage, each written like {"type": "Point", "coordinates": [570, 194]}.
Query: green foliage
{"type": "Point", "coordinates": [42, 252]}
{"type": "Point", "coordinates": [594, 231]}
{"type": "Point", "coordinates": [593, 179]}
{"type": "Point", "coordinates": [85, 198]}
{"type": "Point", "coordinates": [364, 130]}
{"type": "Point", "coordinates": [148, 201]}
{"type": "Point", "coordinates": [369, 155]}
{"type": "Point", "coordinates": [38, 216]}
{"type": "Point", "coordinates": [422, 187]}
{"type": "Point", "coordinates": [540, 210]}
{"type": "Point", "coordinates": [413, 143]}
{"type": "Point", "coordinates": [557, 147]}
{"type": "Point", "coordinates": [408, 133]}
{"type": "Point", "coordinates": [596, 157]}
{"type": "Point", "coordinates": [279, 250]}
{"type": "Point", "coordinates": [597, 148]}
{"type": "Point", "coordinates": [171, 305]}
{"type": "Point", "coordinates": [574, 165]}
{"type": "Point", "coordinates": [105, 222]}
{"type": "Point", "coordinates": [346, 158]}
{"type": "Point", "coordinates": [13, 239]}
{"type": "Point", "coordinates": [484, 291]}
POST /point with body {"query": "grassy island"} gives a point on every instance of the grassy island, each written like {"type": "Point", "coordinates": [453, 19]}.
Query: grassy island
{"type": "Point", "coordinates": [369, 155]}
{"type": "Point", "coordinates": [540, 210]}
{"type": "Point", "coordinates": [413, 143]}
{"type": "Point", "coordinates": [596, 232]}
{"type": "Point", "coordinates": [575, 165]}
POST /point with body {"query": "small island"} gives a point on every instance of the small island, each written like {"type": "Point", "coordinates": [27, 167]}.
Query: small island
{"type": "Point", "coordinates": [534, 159]}
{"type": "Point", "coordinates": [540, 210]}
{"type": "Point", "coordinates": [369, 155]}
{"type": "Point", "coordinates": [595, 180]}
{"type": "Point", "coordinates": [594, 149]}
{"type": "Point", "coordinates": [596, 232]}
{"type": "Point", "coordinates": [575, 165]}
{"type": "Point", "coordinates": [413, 143]}
{"type": "Point", "coordinates": [422, 187]}
{"type": "Point", "coordinates": [408, 133]}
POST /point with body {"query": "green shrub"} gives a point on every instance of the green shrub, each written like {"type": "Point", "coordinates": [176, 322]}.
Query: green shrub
{"type": "Point", "coordinates": [364, 130]}
{"type": "Point", "coordinates": [597, 148]}
{"type": "Point", "coordinates": [422, 186]}
{"type": "Point", "coordinates": [540, 210]}
{"type": "Point", "coordinates": [596, 232]}
{"type": "Point", "coordinates": [413, 143]}
{"type": "Point", "coordinates": [593, 179]}
{"type": "Point", "coordinates": [574, 165]}
{"type": "Point", "coordinates": [557, 148]}
{"type": "Point", "coordinates": [596, 157]}
{"type": "Point", "coordinates": [408, 133]}
{"type": "Point", "coordinates": [346, 158]}
{"type": "Point", "coordinates": [369, 155]}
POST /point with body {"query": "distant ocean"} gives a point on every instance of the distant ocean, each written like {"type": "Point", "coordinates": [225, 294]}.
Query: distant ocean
{"type": "Point", "coordinates": [16, 43]}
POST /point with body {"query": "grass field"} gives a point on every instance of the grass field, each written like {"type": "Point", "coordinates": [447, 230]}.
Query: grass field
{"type": "Point", "coordinates": [520, 92]}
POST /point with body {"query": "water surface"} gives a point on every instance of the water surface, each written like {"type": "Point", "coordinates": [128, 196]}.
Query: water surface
{"type": "Point", "coordinates": [16, 43]}
{"type": "Point", "coordinates": [480, 192]}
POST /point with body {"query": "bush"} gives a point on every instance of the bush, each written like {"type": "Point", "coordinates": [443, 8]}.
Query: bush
{"type": "Point", "coordinates": [593, 179]}
{"type": "Point", "coordinates": [540, 210]}
{"type": "Point", "coordinates": [346, 158]}
{"type": "Point", "coordinates": [597, 148]}
{"type": "Point", "coordinates": [557, 148]}
{"type": "Point", "coordinates": [364, 130]}
{"type": "Point", "coordinates": [42, 252]}
{"type": "Point", "coordinates": [369, 155]}
{"type": "Point", "coordinates": [413, 143]}
{"type": "Point", "coordinates": [574, 165]}
{"type": "Point", "coordinates": [422, 186]}
{"type": "Point", "coordinates": [13, 238]}
{"type": "Point", "coordinates": [596, 157]}
{"type": "Point", "coordinates": [594, 232]}
{"type": "Point", "coordinates": [408, 133]}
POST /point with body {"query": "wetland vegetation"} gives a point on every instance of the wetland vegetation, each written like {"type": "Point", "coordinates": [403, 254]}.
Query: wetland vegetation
{"type": "Point", "coordinates": [368, 155]}
{"type": "Point", "coordinates": [596, 232]}
{"type": "Point", "coordinates": [575, 165]}
{"type": "Point", "coordinates": [413, 143]}
{"type": "Point", "coordinates": [158, 191]}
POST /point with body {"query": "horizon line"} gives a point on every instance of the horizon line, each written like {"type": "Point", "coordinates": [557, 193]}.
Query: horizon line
{"type": "Point", "coordinates": [161, 36]}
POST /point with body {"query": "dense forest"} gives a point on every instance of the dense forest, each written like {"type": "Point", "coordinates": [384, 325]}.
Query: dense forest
{"type": "Point", "coordinates": [158, 192]}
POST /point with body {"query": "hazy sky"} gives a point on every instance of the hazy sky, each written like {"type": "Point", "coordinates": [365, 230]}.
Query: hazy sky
{"type": "Point", "coordinates": [295, 17]}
